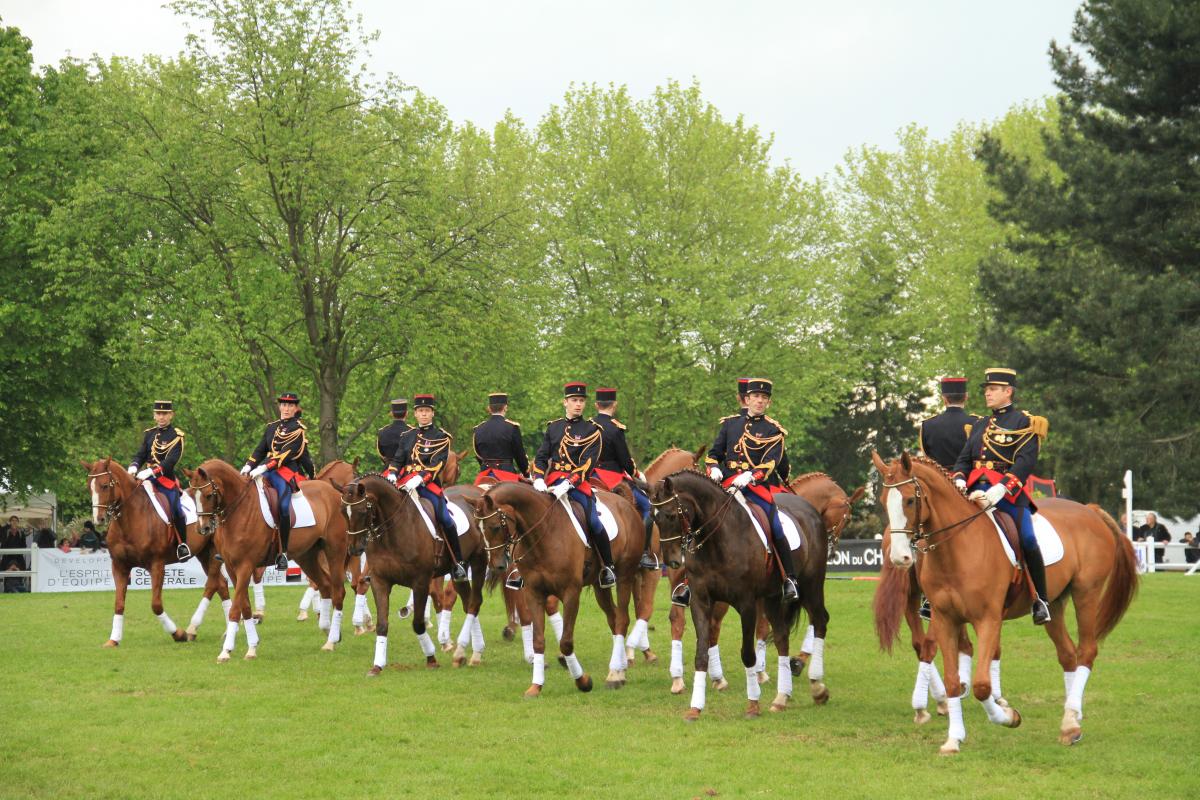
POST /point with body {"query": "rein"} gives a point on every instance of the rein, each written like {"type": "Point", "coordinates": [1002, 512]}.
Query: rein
{"type": "Point", "coordinates": [510, 541]}
{"type": "Point", "coordinates": [374, 529]}
{"type": "Point", "coordinates": [694, 540]}
{"type": "Point", "coordinates": [919, 534]}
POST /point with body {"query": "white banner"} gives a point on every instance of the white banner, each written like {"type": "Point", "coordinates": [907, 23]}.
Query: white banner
{"type": "Point", "coordinates": [77, 571]}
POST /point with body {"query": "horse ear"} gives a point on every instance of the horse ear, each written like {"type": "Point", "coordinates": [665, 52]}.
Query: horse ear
{"type": "Point", "coordinates": [201, 473]}
{"type": "Point", "coordinates": [354, 464]}
{"type": "Point", "coordinates": [667, 488]}
{"type": "Point", "coordinates": [905, 461]}
{"type": "Point", "coordinates": [699, 454]}
{"type": "Point", "coordinates": [360, 491]}
{"type": "Point", "coordinates": [879, 465]}
{"type": "Point", "coordinates": [337, 486]}
{"type": "Point", "coordinates": [86, 465]}
{"type": "Point", "coordinates": [461, 455]}
{"type": "Point", "coordinates": [188, 474]}
{"type": "Point", "coordinates": [858, 495]}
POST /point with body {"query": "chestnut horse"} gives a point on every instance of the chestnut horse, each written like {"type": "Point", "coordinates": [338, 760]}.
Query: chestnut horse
{"type": "Point", "coordinates": [965, 573]}
{"type": "Point", "coordinates": [245, 542]}
{"type": "Point", "coordinates": [531, 529]}
{"type": "Point", "coordinates": [726, 563]}
{"type": "Point", "coordinates": [386, 524]}
{"type": "Point", "coordinates": [137, 537]}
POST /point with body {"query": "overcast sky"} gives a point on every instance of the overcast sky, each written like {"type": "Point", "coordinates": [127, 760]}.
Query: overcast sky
{"type": "Point", "coordinates": [821, 76]}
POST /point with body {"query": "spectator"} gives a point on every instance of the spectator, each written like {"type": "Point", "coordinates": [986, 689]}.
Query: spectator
{"type": "Point", "coordinates": [1154, 531]}
{"type": "Point", "coordinates": [44, 538]}
{"type": "Point", "coordinates": [12, 537]}
{"type": "Point", "coordinates": [89, 540]}
{"type": "Point", "coordinates": [1191, 552]}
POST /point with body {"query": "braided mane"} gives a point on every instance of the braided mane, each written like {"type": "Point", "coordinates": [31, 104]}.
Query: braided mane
{"type": "Point", "coordinates": [808, 476]}
{"type": "Point", "coordinates": [691, 473]}
{"type": "Point", "coordinates": [940, 470]}
{"type": "Point", "coordinates": [670, 451]}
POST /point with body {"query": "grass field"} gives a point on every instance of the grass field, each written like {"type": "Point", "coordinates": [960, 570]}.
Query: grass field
{"type": "Point", "coordinates": [160, 719]}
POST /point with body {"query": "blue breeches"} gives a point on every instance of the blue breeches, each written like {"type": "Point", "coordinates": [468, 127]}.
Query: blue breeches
{"type": "Point", "coordinates": [772, 514]}
{"type": "Point", "coordinates": [641, 501]}
{"type": "Point", "coordinates": [284, 490]}
{"type": "Point", "coordinates": [439, 509]}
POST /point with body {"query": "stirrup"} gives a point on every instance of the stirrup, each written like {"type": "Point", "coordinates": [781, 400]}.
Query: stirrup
{"type": "Point", "coordinates": [790, 593]}
{"type": "Point", "coordinates": [608, 578]}
{"type": "Point", "coordinates": [681, 595]}
{"type": "Point", "coordinates": [925, 612]}
{"type": "Point", "coordinates": [1041, 611]}
{"type": "Point", "coordinates": [649, 561]}
{"type": "Point", "coordinates": [514, 581]}
{"type": "Point", "coordinates": [183, 552]}
{"type": "Point", "coordinates": [458, 573]}
{"type": "Point", "coordinates": [281, 562]}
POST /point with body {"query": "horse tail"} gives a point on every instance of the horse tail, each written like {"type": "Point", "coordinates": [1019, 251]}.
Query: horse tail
{"type": "Point", "coordinates": [891, 595]}
{"type": "Point", "coordinates": [1122, 584]}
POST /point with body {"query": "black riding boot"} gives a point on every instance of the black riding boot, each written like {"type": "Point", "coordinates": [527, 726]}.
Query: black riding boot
{"type": "Point", "coordinates": [285, 528]}
{"type": "Point", "coordinates": [182, 552]}
{"type": "Point", "coordinates": [458, 573]}
{"type": "Point", "coordinates": [1037, 572]}
{"type": "Point", "coordinates": [608, 575]}
{"type": "Point", "coordinates": [790, 593]}
{"type": "Point", "coordinates": [649, 560]}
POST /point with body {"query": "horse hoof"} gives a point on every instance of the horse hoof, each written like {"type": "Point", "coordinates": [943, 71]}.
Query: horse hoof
{"type": "Point", "coordinates": [797, 664]}
{"type": "Point", "coordinates": [692, 715]}
{"type": "Point", "coordinates": [1014, 719]}
{"type": "Point", "coordinates": [221, 659]}
{"type": "Point", "coordinates": [374, 671]}
{"type": "Point", "coordinates": [302, 616]}
{"type": "Point", "coordinates": [508, 633]}
{"type": "Point", "coordinates": [327, 647]}
{"type": "Point", "coordinates": [649, 656]}
{"type": "Point", "coordinates": [630, 656]}
{"type": "Point", "coordinates": [111, 643]}
{"type": "Point", "coordinates": [191, 631]}
{"type": "Point", "coordinates": [780, 703]}
{"type": "Point", "coordinates": [404, 612]}
{"type": "Point", "coordinates": [921, 716]}
{"type": "Point", "coordinates": [476, 659]}
{"type": "Point", "coordinates": [562, 661]}
{"type": "Point", "coordinates": [370, 626]}
{"type": "Point", "coordinates": [258, 617]}
{"type": "Point", "coordinates": [584, 683]}
{"type": "Point", "coordinates": [720, 684]}
{"type": "Point", "coordinates": [179, 636]}
{"type": "Point", "coordinates": [820, 696]}
{"type": "Point", "coordinates": [943, 708]}
{"type": "Point", "coordinates": [1070, 737]}
{"type": "Point", "coordinates": [950, 748]}
{"type": "Point", "coordinates": [752, 710]}
{"type": "Point", "coordinates": [359, 630]}
{"type": "Point", "coordinates": [613, 683]}
{"type": "Point", "coordinates": [251, 654]}
{"type": "Point", "coordinates": [432, 663]}
{"type": "Point", "coordinates": [533, 691]}
{"type": "Point", "coordinates": [677, 686]}
{"type": "Point", "coordinates": [447, 647]}
{"type": "Point", "coordinates": [763, 677]}
{"type": "Point", "coordinates": [458, 661]}
{"type": "Point", "coordinates": [191, 637]}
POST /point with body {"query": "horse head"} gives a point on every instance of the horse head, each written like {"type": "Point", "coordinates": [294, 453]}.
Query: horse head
{"type": "Point", "coordinates": [361, 504]}
{"type": "Point", "coordinates": [109, 485]}
{"type": "Point", "coordinates": [497, 524]}
{"type": "Point", "coordinates": [213, 486]}
{"type": "Point", "coordinates": [674, 521]}
{"type": "Point", "coordinates": [688, 506]}
{"type": "Point", "coordinates": [453, 467]}
{"type": "Point", "coordinates": [913, 491]}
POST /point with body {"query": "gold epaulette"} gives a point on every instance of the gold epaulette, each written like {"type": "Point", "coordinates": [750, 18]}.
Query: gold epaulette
{"type": "Point", "coordinates": [728, 417]}
{"type": "Point", "coordinates": [1039, 425]}
{"type": "Point", "coordinates": [180, 432]}
{"type": "Point", "coordinates": [551, 422]}
{"type": "Point", "coordinates": [301, 426]}
{"type": "Point", "coordinates": [512, 422]}
{"type": "Point", "coordinates": [782, 429]}
{"type": "Point", "coordinates": [619, 425]}
{"type": "Point", "coordinates": [151, 428]}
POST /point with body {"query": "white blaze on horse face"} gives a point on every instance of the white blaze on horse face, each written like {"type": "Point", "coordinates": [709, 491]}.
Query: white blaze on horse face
{"type": "Point", "coordinates": [95, 501]}
{"type": "Point", "coordinates": [198, 499]}
{"type": "Point", "coordinates": [899, 551]}
{"type": "Point", "coordinates": [347, 511]}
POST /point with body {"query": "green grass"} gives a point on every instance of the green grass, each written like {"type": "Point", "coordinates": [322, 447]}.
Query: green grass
{"type": "Point", "coordinates": [160, 719]}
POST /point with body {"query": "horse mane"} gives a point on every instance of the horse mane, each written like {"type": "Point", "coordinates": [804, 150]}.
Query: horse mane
{"type": "Point", "coordinates": [670, 451]}
{"type": "Point", "coordinates": [691, 473]}
{"type": "Point", "coordinates": [808, 476]}
{"type": "Point", "coordinates": [940, 470]}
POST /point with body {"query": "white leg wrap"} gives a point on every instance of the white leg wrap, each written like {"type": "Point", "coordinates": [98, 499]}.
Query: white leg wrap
{"type": "Point", "coordinates": [198, 615]}
{"type": "Point", "coordinates": [251, 632]}
{"type": "Point", "coordinates": [816, 665]}
{"type": "Point", "coordinates": [326, 610]}
{"type": "Point", "coordinates": [753, 692]}
{"type": "Point", "coordinates": [335, 627]}
{"type": "Point", "coordinates": [715, 670]}
{"type": "Point", "coordinates": [964, 670]}
{"type": "Point", "coordinates": [573, 666]}
{"type": "Point", "coordinates": [426, 643]}
{"type": "Point", "coordinates": [809, 635]}
{"type": "Point", "coordinates": [1068, 679]}
{"type": "Point", "coordinates": [539, 669]}
{"type": "Point", "coordinates": [785, 676]}
{"type": "Point", "coordinates": [920, 696]}
{"type": "Point", "coordinates": [380, 652]}
{"type": "Point", "coordinates": [957, 729]}
{"type": "Point", "coordinates": [225, 606]}
{"type": "Point", "coordinates": [699, 681]}
{"type": "Point", "coordinates": [994, 675]}
{"type": "Point", "coordinates": [443, 629]}
{"type": "Point", "coordinates": [617, 660]}
{"type": "Point", "coordinates": [640, 638]}
{"type": "Point", "coordinates": [936, 687]}
{"type": "Point", "coordinates": [556, 623]}
{"type": "Point", "coordinates": [310, 594]}
{"type": "Point", "coordinates": [260, 598]}
{"type": "Point", "coordinates": [995, 713]}
{"type": "Point", "coordinates": [527, 642]}
{"type": "Point", "coordinates": [1075, 696]}
{"type": "Point", "coordinates": [760, 655]}
{"type": "Point", "coordinates": [409, 604]}
{"type": "Point", "coordinates": [429, 609]}
{"type": "Point", "coordinates": [168, 624]}
{"type": "Point", "coordinates": [477, 643]}
{"type": "Point", "coordinates": [230, 636]}
{"type": "Point", "coordinates": [464, 636]}
{"type": "Point", "coordinates": [118, 628]}
{"type": "Point", "coordinates": [676, 658]}
{"type": "Point", "coordinates": [360, 610]}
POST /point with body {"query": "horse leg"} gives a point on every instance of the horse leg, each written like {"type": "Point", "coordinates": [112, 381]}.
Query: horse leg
{"type": "Point", "coordinates": [443, 603]}
{"type": "Point", "coordinates": [716, 672]}
{"type": "Point", "coordinates": [702, 615]}
{"type": "Point", "coordinates": [988, 633]}
{"type": "Point", "coordinates": [520, 602]}
{"type": "Point", "coordinates": [260, 595]}
{"type": "Point", "coordinates": [335, 555]}
{"type": "Point", "coordinates": [213, 583]}
{"type": "Point", "coordinates": [762, 629]}
{"type": "Point", "coordinates": [818, 617]}
{"type": "Point", "coordinates": [120, 572]}
{"type": "Point", "coordinates": [947, 635]}
{"type": "Point", "coordinates": [555, 618]}
{"type": "Point", "coordinates": [361, 618]}
{"type": "Point", "coordinates": [420, 595]}
{"type": "Point", "coordinates": [1087, 607]}
{"type": "Point", "coordinates": [616, 661]}
{"type": "Point", "coordinates": [510, 615]}
{"type": "Point", "coordinates": [472, 605]}
{"type": "Point", "coordinates": [566, 644]}
{"type": "Point", "coordinates": [678, 619]}
{"type": "Point", "coordinates": [780, 634]}
{"type": "Point", "coordinates": [464, 635]}
{"type": "Point", "coordinates": [965, 654]}
{"type": "Point", "coordinates": [381, 589]}
{"type": "Point", "coordinates": [929, 680]}
{"type": "Point", "coordinates": [241, 579]}
{"type": "Point", "coordinates": [749, 614]}
{"type": "Point", "coordinates": [537, 602]}
{"type": "Point", "coordinates": [645, 587]}
{"type": "Point", "coordinates": [157, 574]}
{"type": "Point", "coordinates": [311, 595]}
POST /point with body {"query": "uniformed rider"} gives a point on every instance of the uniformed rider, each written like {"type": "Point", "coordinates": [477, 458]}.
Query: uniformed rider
{"type": "Point", "coordinates": [498, 446]}
{"type": "Point", "coordinates": [162, 447]}
{"type": "Point", "coordinates": [282, 456]}
{"type": "Point", "coordinates": [388, 437]}
{"type": "Point", "coordinates": [616, 466]}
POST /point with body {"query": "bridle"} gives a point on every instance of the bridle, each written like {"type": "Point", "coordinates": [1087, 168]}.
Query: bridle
{"type": "Point", "coordinates": [218, 506]}
{"type": "Point", "coordinates": [372, 527]}
{"type": "Point", "coordinates": [512, 539]}
{"type": "Point", "coordinates": [112, 509]}
{"type": "Point", "coordinates": [922, 540]}
{"type": "Point", "coordinates": [692, 540]}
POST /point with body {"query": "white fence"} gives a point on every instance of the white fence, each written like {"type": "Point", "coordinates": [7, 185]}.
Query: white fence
{"type": "Point", "coordinates": [1174, 557]}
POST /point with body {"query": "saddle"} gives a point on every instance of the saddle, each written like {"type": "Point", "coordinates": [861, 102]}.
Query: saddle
{"type": "Point", "coordinates": [1020, 579]}
{"type": "Point", "coordinates": [273, 502]}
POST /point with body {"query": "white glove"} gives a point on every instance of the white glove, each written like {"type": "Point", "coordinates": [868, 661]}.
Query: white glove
{"type": "Point", "coordinates": [995, 494]}
{"type": "Point", "coordinates": [539, 484]}
{"type": "Point", "coordinates": [412, 483]}
{"type": "Point", "coordinates": [245, 469]}
{"type": "Point", "coordinates": [146, 473]}
{"type": "Point", "coordinates": [742, 479]}
{"type": "Point", "coordinates": [560, 489]}
{"type": "Point", "coordinates": [961, 484]}
{"type": "Point", "coordinates": [715, 474]}
{"type": "Point", "coordinates": [391, 477]}
{"type": "Point", "coordinates": [978, 498]}
{"type": "Point", "coordinates": [641, 476]}
{"type": "Point", "coordinates": [131, 469]}
{"type": "Point", "coordinates": [259, 470]}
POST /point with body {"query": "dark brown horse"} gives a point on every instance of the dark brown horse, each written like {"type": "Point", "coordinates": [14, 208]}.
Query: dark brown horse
{"type": "Point", "coordinates": [401, 551]}
{"type": "Point", "coordinates": [727, 562]}
{"type": "Point", "coordinates": [531, 529]}
{"type": "Point", "coordinates": [245, 542]}
{"type": "Point", "coordinates": [137, 537]}
{"type": "Point", "coordinates": [965, 573]}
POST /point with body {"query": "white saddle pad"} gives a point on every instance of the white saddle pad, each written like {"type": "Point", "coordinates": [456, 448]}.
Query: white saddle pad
{"type": "Point", "coordinates": [606, 519]}
{"type": "Point", "coordinates": [790, 531]}
{"type": "Point", "coordinates": [304, 513]}
{"type": "Point", "coordinates": [185, 501]}
{"type": "Point", "coordinates": [461, 523]}
{"type": "Point", "coordinates": [1048, 540]}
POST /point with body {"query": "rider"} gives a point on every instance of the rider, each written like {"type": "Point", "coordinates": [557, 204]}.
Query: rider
{"type": "Point", "coordinates": [942, 437]}
{"type": "Point", "coordinates": [497, 445]}
{"type": "Point", "coordinates": [162, 447]}
{"type": "Point", "coordinates": [563, 465]}
{"type": "Point", "coordinates": [417, 468]}
{"type": "Point", "coordinates": [616, 466]}
{"type": "Point", "coordinates": [1001, 453]}
{"type": "Point", "coordinates": [282, 454]}
{"type": "Point", "coordinates": [749, 454]}
{"type": "Point", "coordinates": [388, 437]}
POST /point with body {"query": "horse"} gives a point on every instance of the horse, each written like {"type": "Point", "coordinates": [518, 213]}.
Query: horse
{"type": "Point", "coordinates": [726, 563]}
{"type": "Point", "coordinates": [965, 573]}
{"type": "Point", "coordinates": [245, 540]}
{"type": "Point", "coordinates": [137, 537]}
{"type": "Point", "coordinates": [441, 595]}
{"type": "Point", "coordinates": [532, 529]}
{"type": "Point", "coordinates": [395, 535]}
